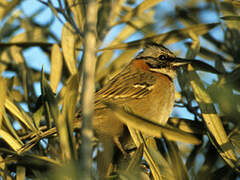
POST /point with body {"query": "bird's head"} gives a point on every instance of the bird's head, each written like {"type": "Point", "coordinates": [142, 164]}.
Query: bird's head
{"type": "Point", "coordinates": [161, 59]}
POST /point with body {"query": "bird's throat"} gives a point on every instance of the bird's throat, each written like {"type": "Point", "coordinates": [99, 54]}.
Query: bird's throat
{"type": "Point", "coordinates": [165, 71]}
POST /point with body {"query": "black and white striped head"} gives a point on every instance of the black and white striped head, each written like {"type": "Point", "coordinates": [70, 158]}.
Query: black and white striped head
{"type": "Point", "coordinates": [160, 59]}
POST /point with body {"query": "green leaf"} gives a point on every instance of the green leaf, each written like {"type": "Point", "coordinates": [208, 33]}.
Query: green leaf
{"type": "Point", "coordinates": [146, 4]}
{"type": "Point", "coordinates": [231, 18]}
{"type": "Point", "coordinates": [177, 163]}
{"type": "Point", "coordinates": [3, 96]}
{"type": "Point", "coordinates": [7, 7]}
{"type": "Point", "coordinates": [152, 128]}
{"type": "Point", "coordinates": [68, 43]}
{"type": "Point", "coordinates": [19, 114]}
{"type": "Point", "coordinates": [64, 122]}
{"type": "Point", "coordinates": [50, 104]}
{"type": "Point", "coordinates": [136, 159]}
{"type": "Point", "coordinates": [56, 67]}
{"type": "Point", "coordinates": [11, 141]}
{"type": "Point", "coordinates": [212, 120]}
{"type": "Point", "coordinates": [166, 38]}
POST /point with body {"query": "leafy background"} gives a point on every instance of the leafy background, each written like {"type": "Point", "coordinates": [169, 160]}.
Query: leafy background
{"type": "Point", "coordinates": [37, 102]}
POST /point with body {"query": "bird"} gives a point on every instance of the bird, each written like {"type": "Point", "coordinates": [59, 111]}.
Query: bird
{"type": "Point", "coordinates": [145, 85]}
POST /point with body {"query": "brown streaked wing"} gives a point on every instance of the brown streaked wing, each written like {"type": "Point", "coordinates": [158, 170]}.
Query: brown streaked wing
{"type": "Point", "coordinates": [126, 85]}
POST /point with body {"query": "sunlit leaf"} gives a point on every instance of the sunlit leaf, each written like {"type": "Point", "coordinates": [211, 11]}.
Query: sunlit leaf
{"type": "Point", "coordinates": [136, 159]}
{"type": "Point", "coordinates": [151, 128]}
{"type": "Point", "coordinates": [118, 63]}
{"type": "Point", "coordinates": [33, 36]}
{"type": "Point", "coordinates": [68, 45]}
{"type": "Point", "coordinates": [123, 35]}
{"type": "Point", "coordinates": [212, 120]}
{"type": "Point", "coordinates": [56, 67]}
{"type": "Point", "coordinates": [65, 120]}
{"type": "Point", "coordinates": [11, 107]}
{"type": "Point", "coordinates": [177, 163]}
{"type": "Point", "coordinates": [187, 125]}
{"type": "Point", "coordinates": [149, 143]}
{"type": "Point", "coordinates": [50, 103]}
{"type": "Point", "coordinates": [146, 4]}
{"type": "Point", "coordinates": [10, 140]}
{"type": "Point", "coordinates": [21, 172]}
{"type": "Point", "coordinates": [35, 159]}
{"type": "Point", "coordinates": [7, 7]}
{"type": "Point", "coordinates": [166, 38]}
{"type": "Point", "coordinates": [166, 172]}
{"type": "Point", "coordinates": [11, 129]}
{"type": "Point", "coordinates": [3, 95]}
{"type": "Point", "coordinates": [3, 164]}
{"type": "Point", "coordinates": [227, 9]}
{"type": "Point", "coordinates": [78, 12]}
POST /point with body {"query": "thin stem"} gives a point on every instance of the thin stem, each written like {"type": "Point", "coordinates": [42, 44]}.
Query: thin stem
{"type": "Point", "coordinates": [88, 91]}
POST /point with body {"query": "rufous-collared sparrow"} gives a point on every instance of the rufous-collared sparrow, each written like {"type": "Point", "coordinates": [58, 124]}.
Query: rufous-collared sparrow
{"type": "Point", "coordinates": [145, 86]}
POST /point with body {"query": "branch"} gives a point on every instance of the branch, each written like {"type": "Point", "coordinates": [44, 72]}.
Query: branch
{"type": "Point", "coordinates": [88, 91]}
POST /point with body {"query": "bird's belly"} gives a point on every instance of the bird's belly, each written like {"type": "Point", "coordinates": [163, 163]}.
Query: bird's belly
{"type": "Point", "coordinates": [106, 123]}
{"type": "Point", "coordinates": [158, 104]}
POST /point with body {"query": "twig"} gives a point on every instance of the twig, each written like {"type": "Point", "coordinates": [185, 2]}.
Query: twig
{"type": "Point", "coordinates": [88, 91]}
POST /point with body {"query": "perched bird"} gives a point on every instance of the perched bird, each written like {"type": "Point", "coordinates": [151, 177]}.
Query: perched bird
{"type": "Point", "coordinates": [145, 86]}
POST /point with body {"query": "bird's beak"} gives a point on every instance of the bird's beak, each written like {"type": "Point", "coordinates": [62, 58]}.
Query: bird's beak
{"type": "Point", "coordinates": [197, 64]}
{"type": "Point", "coordinates": [180, 61]}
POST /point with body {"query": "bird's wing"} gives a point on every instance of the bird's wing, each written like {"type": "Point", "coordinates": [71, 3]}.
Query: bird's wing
{"type": "Point", "coordinates": [127, 85]}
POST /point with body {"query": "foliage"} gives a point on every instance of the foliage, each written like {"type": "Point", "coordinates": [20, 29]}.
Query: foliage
{"type": "Point", "coordinates": [44, 141]}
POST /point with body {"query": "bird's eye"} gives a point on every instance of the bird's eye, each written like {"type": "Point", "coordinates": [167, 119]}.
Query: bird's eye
{"type": "Point", "coordinates": [162, 57]}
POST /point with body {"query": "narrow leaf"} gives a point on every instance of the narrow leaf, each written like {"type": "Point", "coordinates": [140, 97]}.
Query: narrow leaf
{"type": "Point", "coordinates": [3, 95]}
{"type": "Point", "coordinates": [11, 141]}
{"type": "Point", "coordinates": [177, 163]}
{"type": "Point", "coordinates": [211, 119]}
{"type": "Point", "coordinates": [231, 18]}
{"type": "Point", "coordinates": [152, 128]}
{"type": "Point", "coordinates": [78, 12]}
{"type": "Point", "coordinates": [187, 125]}
{"type": "Point", "coordinates": [166, 38]}
{"type": "Point", "coordinates": [7, 7]}
{"type": "Point", "coordinates": [123, 35]}
{"type": "Point", "coordinates": [50, 104]}
{"type": "Point", "coordinates": [56, 67]}
{"type": "Point", "coordinates": [68, 46]}
{"type": "Point", "coordinates": [139, 10]}
{"type": "Point", "coordinates": [11, 107]}
{"type": "Point", "coordinates": [20, 173]}
{"type": "Point", "coordinates": [139, 139]}
{"type": "Point", "coordinates": [65, 120]}
{"type": "Point", "coordinates": [136, 159]}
